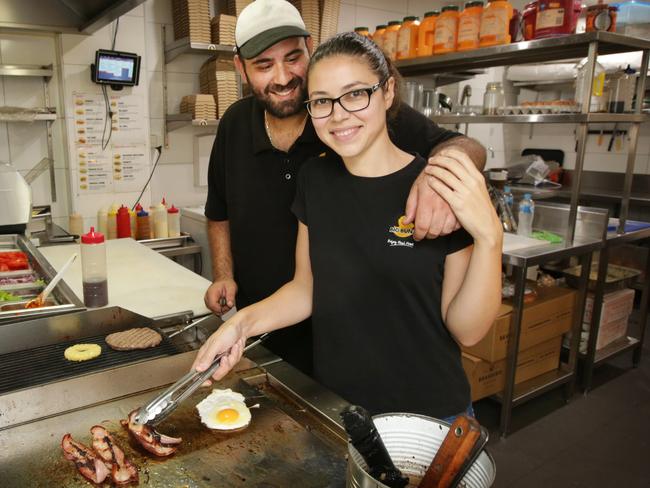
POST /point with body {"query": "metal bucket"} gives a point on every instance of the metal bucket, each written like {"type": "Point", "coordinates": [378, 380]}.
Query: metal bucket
{"type": "Point", "coordinates": [412, 441]}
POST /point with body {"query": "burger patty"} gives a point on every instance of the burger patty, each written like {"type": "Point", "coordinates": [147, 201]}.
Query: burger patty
{"type": "Point", "coordinates": [140, 338]}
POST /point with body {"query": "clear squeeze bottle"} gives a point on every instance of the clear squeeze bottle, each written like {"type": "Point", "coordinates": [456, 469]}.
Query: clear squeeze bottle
{"type": "Point", "coordinates": [93, 269]}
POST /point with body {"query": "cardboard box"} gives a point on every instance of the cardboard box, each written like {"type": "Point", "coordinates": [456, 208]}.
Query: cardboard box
{"type": "Point", "coordinates": [608, 332]}
{"type": "Point", "coordinates": [550, 315]}
{"type": "Point", "coordinates": [616, 305]}
{"type": "Point", "coordinates": [487, 378]}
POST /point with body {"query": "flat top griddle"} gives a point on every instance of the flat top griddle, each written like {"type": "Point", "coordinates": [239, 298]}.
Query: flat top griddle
{"type": "Point", "coordinates": [45, 364]}
{"type": "Point", "coordinates": [275, 451]}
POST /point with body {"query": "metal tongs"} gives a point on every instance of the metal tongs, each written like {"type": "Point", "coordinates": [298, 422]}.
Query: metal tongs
{"type": "Point", "coordinates": [165, 403]}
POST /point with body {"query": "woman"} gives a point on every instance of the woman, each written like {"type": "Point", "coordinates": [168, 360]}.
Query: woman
{"type": "Point", "coordinates": [388, 312]}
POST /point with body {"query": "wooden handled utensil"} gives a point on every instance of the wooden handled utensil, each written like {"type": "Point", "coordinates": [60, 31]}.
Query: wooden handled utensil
{"type": "Point", "coordinates": [460, 447]}
{"type": "Point", "coordinates": [40, 299]}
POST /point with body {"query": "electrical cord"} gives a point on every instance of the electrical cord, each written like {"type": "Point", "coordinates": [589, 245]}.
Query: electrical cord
{"type": "Point", "coordinates": [109, 112]}
{"type": "Point", "coordinates": [117, 25]}
{"type": "Point", "coordinates": [109, 115]}
{"type": "Point", "coordinates": [159, 149]}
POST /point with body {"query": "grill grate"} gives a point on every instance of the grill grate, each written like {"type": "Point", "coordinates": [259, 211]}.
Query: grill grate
{"type": "Point", "coordinates": [24, 369]}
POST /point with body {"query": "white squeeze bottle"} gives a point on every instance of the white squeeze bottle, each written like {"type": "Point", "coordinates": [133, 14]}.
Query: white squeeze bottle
{"type": "Point", "coordinates": [526, 215]}
{"type": "Point", "coordinates": [174, 222]}
{"type": "Point", "coordinates": [102, 221]}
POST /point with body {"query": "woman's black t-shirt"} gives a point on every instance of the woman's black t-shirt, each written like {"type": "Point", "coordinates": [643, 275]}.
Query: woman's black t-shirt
{"type": "Point", "coordinates": [379, 337]}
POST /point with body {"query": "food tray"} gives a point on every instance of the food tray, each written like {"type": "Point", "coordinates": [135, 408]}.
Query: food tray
{"type": "Point", "coordinates": [617, 276]}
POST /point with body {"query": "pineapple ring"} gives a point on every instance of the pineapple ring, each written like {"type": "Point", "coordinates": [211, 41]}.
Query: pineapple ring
{"type": "Point", "coordinates": [82, 352]}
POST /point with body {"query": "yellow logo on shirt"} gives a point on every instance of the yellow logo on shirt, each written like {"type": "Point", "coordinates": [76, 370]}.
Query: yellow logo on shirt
{"type": "Point", "coordinates": [402, 229]}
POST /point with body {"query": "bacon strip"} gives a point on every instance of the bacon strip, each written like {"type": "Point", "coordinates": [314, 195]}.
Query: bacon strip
{"type": "Point", "coordinates": [123, 471]}
{"type": "Point", "coordinates": [85, 459]}
{"type": "Point", "coordinates": [147, 437]}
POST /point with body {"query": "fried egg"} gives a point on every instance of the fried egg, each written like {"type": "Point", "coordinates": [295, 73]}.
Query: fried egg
{"type": "Point", "coordinates": [224, 410]}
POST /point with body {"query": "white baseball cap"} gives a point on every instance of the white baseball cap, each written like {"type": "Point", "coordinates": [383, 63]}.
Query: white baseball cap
{"type": "Point", "coordinates": [264, 23]}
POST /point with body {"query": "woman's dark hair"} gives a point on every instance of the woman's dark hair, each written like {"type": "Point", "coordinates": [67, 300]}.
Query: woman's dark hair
{"type": "Point", "coordinates": [355, 45]}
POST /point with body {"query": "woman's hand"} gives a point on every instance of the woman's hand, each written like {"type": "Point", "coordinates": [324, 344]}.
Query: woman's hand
{"type": "Point", "coordinates": [229, 339]}
{"type": "Point", "coordinates": [456, 179]}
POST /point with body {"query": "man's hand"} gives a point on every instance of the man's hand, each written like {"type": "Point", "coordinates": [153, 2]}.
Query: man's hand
{"type": "Point", "coordinates": [432, 215]}
{"type": "Point", "coordinates": [220, 296]}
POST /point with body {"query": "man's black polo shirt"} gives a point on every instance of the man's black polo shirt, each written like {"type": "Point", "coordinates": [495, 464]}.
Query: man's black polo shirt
{"type": "Point", "coordinates": [252, 185]}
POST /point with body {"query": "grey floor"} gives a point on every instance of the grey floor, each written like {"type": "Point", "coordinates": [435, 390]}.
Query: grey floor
{"type": "Point", "coordinates": [601, 439]}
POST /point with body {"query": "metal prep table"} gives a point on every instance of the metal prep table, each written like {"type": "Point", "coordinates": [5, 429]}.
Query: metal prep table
{"type": "Point", "coordinates": [294, 438]}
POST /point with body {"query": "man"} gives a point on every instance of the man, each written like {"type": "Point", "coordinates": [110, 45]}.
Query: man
{"type": "Point", "coordinates": [261, 143]}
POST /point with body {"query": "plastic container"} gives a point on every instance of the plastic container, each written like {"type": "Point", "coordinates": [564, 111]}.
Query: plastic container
{"type": "Point", "coordinates": [556, 18]}
{"type": "Point", "coordinates": [601, 17]}
{"type": "Point", "coordinates": [622, 85]}
{"type": "Point", "coordinates": [495, 23]}
{"type": "Point", "coordinates": [93, 269]}
{"type": "Point", "coordinates": [133, 219]}
{"type": "Point", "coordinates": [76, 224]}
{"type": "Point", "coordinates": [102, 221]}
{"type": "Point", "coordinates": [599, 99]}
{"type": "Point", "coordinates": [493, 99]}
{"type": "Point", "coordinates": [144, 226]}
{"type": "Point", "coordinates": [363, 31]}
{"type": "Point", "coordinates": [407, 38]}
{"type": "Point", "coordinates": [174, 222]}
{"type": "Point", "coordinates": [426, 33]}
{"type": "Point", "coordinates": [508, 197]}
{"type": "Point", "coordinates": [412, 441]}
{"type": "Point", "coordinates": [123, 223]}
{"type": "Point", "coordinates": [633, 19]}
{"type": "Point", "coordinates": [111, 224]}
{"type": "Point", "coordinates": [526, 215]}
{"type": "Point", "coordinates": [378, 35]}
{"type": "Point", "coordinates": [529, 18]}
{"type": "Point", "coordinates": [446, 33]}
{"type": "Point", "coordinates": [390, 38]}
{"type": "Point", "coordinates": [516, 26]}
{"type": "Point", "coordinates": [469, 26]}
{"type": "Point", "coordinates": [160, 228]}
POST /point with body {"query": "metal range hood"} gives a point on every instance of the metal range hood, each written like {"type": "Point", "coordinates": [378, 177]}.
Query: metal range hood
{"type": "Point", "coordinates": [69, 16]}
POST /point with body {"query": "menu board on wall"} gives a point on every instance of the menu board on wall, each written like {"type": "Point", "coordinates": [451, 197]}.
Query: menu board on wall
{"type": "Point", "coordinates": [122, 166]}
{"type": "Point", "coordinates": [94, 169]}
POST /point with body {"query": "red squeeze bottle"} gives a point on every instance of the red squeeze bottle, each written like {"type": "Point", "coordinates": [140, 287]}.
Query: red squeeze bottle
{"type": "Point", "coordinates": [123, 223]}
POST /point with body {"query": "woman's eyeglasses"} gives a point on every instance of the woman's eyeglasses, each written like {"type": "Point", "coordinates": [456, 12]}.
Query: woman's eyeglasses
{"type": "Point", "coordinates": [352, 101]}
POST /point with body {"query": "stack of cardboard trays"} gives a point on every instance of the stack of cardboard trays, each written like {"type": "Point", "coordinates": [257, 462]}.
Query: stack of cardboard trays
{"type": "Point", "coordinates": [234, 7]}
{"type": "Point", "coordinates": [223, 29]}
{"type": "Point", "coordinates": [219, 79]}
{"type": "Point", "coordinates": [310, 11]}
{"type": "Point", "coordinates": [202, 107]}
{"type": "Point", "coordinates": [329, 18]}
{"type": "Point", "coordinates": [543, 323]}
{"type": "Point", "coordinates": [192, 20]}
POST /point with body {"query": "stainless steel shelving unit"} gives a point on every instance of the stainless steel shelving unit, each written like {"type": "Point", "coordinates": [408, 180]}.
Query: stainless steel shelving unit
{"type": "Point", "coordinates": [593, 358]}
{"type": "Point", "coordinates": [45, 114]}
{"type": "Point", "coordinates": [589, 45]}
{"type": "Point", "coordinates": [172, 51]}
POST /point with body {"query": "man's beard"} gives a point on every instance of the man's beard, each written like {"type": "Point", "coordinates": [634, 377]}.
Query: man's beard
{"type": "Point", "coordinates": [286, 108]}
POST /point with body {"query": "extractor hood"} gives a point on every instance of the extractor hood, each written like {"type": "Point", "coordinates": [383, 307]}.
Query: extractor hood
{"type": "Point", "coordinates": [70, 16]}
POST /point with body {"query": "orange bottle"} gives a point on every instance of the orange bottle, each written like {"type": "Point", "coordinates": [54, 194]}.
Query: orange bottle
{"type": "Point", "coordinates": [378, 35]}
{"type": "Point", "coordinates": [469, 26]}
{"type": "Point", "coordinates": [407, 38]}
{"type": "Point", "coordinates": [426, 32]}
{"type": "Point", "coordinates": [444, 38]}
{"type": "Point", "coordinates": [390, 38]}
{"type": "Point", "coordinates": [495, 23]}
{"type": "Point", "coordinates": [363, 31]}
